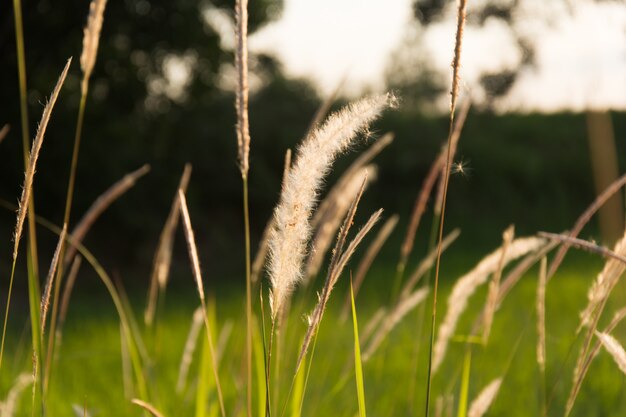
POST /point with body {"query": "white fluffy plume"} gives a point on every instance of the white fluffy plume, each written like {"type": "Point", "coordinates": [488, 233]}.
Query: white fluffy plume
{"type": "Point", "coordinates": [288, 239]}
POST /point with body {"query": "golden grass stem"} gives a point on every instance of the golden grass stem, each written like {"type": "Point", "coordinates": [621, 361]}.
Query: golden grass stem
{"type": "Point", "coordinates": [494, 285]}
{"type": "Point", "coordinates": [163, 255]}
{"type": "Point", "coordinates": [583, 219]}
{"type": "Point", "coordinates": [26, 197]}
{"type": "Point", "coordinates": [368, 259]}
{"type": "Point", "coordinates": [148, 407]}
{"type": "Point", "coordinates": [4, 131]}
{"type": "Point", "coordinates": [456, 65]}
{"type": "Point", "coordinates": [45, 299]}
{"type": "Point", "coordinates": [195, 264]}
{"type": "Point", "coordinates": [243, 141]}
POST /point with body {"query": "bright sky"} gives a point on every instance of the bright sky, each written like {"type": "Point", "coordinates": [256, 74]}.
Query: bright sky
{"type": "Point", "coordinates": [580, 48]}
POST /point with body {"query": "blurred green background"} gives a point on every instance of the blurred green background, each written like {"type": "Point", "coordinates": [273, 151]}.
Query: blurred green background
{"type": "Point", "coordinates": [532, 170]}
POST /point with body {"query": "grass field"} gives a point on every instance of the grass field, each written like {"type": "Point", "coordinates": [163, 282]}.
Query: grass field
{"type": "Point", "coordinates": [90, 371]}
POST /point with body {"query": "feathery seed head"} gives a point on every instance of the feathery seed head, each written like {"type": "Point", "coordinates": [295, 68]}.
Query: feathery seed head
{"type": "Point", "coordinates": [291, 232]}
{"type": "Point", "coordinates": [91, 38]}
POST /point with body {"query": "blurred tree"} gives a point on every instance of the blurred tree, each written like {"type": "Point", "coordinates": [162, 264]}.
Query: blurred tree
{"type": "Point", "coordinates": [161, 93]}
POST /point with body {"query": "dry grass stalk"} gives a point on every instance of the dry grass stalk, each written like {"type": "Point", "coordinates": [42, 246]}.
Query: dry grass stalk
{"type": "Point", "coordinates": [241, 64]}
{"type": "Point", "coordinates": [584, 219]}
{"type": "Point", "coordinates": [4, 132]}
{"type": "Point", "coordinates": [102, 203]}
{"type": "Point", "coordinates": [261, 254]}
{"type": "Point", "coordinates": [127, 377]}
{"type": "Point", "coordinates": [291, 228]}
{"type": "Point", "coordinates": [541, 315]}
{"type": "Point", "coordinates": [467, 285]}
{"type": "Point", "coordinates": [494, 285]}
{"type": "Point", "coordinates": [337, 263]}
{"type": "Point", "coordinates": [65, 298]}
{"type": "Point", "coordinates": [8, 406]}
{"type": "Point", "coordinates": [91, 39]}
{"type": "Point", "coordinates": [32, 159]}
{"type": "Point", "coordinates": [190, 347]}
{"type": "Point", "coordinates": [481, 404]}
{"type": "Point", "coordinates": [45, 297]}
{"type": "Point", "coordinates": [419, 207]}
{"type": "Point", "coordinates": [521, 268]}
{"type": "Point", "coordinates": [427, 263]}
{"type": "Point", "coordinates": [615, 349]}
{"type": "Point", "coordinates": [332, 218]}
{"type": "Point", "coordinates": [348, 175]}
{"type": "Point", "coordinates": [163, 256]}
{"type": "Point", "coordinates": [147, 406]}
{"type": "Point", "coordinates": [456, 61]}
{"type": "Point", "coordinates": [604, 284]}
{"type": "Point", "coordinates": [195, 263]}
{"type": "Point", "coordinates": [581, 370]}
{"type": "Point", "coordinates": [392, 319]}
{"type": "Point", "coordinates": [368, 259]}
{"type": "Point", "coordinates": [459, 122]}
{"type": "Point", "coordinates": [584, 245]}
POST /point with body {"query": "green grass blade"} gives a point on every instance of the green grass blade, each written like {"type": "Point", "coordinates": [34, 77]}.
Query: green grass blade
{"type": "Point", "coordinates": [358, 367]}
{"type": "Point", "coordinates": [463, 395]}
{"type": "Point", "coordinates": [298, 393]}
{"type": "Point", "coordinates": [258, 349]}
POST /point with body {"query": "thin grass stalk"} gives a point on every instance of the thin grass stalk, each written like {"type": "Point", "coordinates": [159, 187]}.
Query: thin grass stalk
{"type": "Point", "coordinates": [190, 347]}
{"type": "Point", "coordinates": [617, 318]}
{"type": "Point", "coordinates": [368, 259]}
{"type": "Point", "coordinates": [392, 319]}
{"type": "Point", "coordinates": [148, 407]}
{"type": "Point", "coordinates": [32, 260]}
{"type": "Point", "coordinates": [421, 201]}
{"type": "Point", "coordinates": [466, 285]}
{"type": "Point", "coordinates": [31, 255]}
{"type": "Point", "coordinates": [315, 317]}
{"type": "Point", "coordinates": [598, 296]}
{"type": "Point", "coordinates": [427, 263]}
{"type": "Point", "coordinates": [583, 219]}
{"type": "Point", "coordinates": [21, 216]}
{"type": "Point", "coordinates": [45, 298]}
{"type": "Point", "coordinates": [4, 132]}
{"type": "Point", "coordinates": [100, 205]}
{"type": "Point", "coordinates": [127, 376]}
{"type": "Point", "coordinates": [456, 65]}
{"type": "Point", "coordinates": [88, 56]}
{"type": "Point", "coordinates": [195, 263]}
{"type": "Point", "coordinates": [584, 245]}
{"type": "Point", "coordinates": [266, 355]}
{"type": "Point", "coordinates": [117, 302]}
{"type": "Point", "coordinates": [541, 331]}
{"type": "Point", "coordinates": [614, 348]}
{"type": "Point", "coordinates": [243, 140]}
{"type": "Point", "coordinates": [163, 255]}
{"type": "Point", "coordinates": [494, 285]}
{"type": "Point", "coordinates": [322, 239]}
{"type": "Point", "coordinates": [65, 299]}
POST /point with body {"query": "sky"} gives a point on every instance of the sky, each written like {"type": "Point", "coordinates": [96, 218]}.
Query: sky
{"type": "Point", "coordinates": [580, 48]}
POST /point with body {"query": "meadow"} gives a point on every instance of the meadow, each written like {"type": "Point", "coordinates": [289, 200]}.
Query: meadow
{"type": "Point", "coordinates": [316, 321]}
